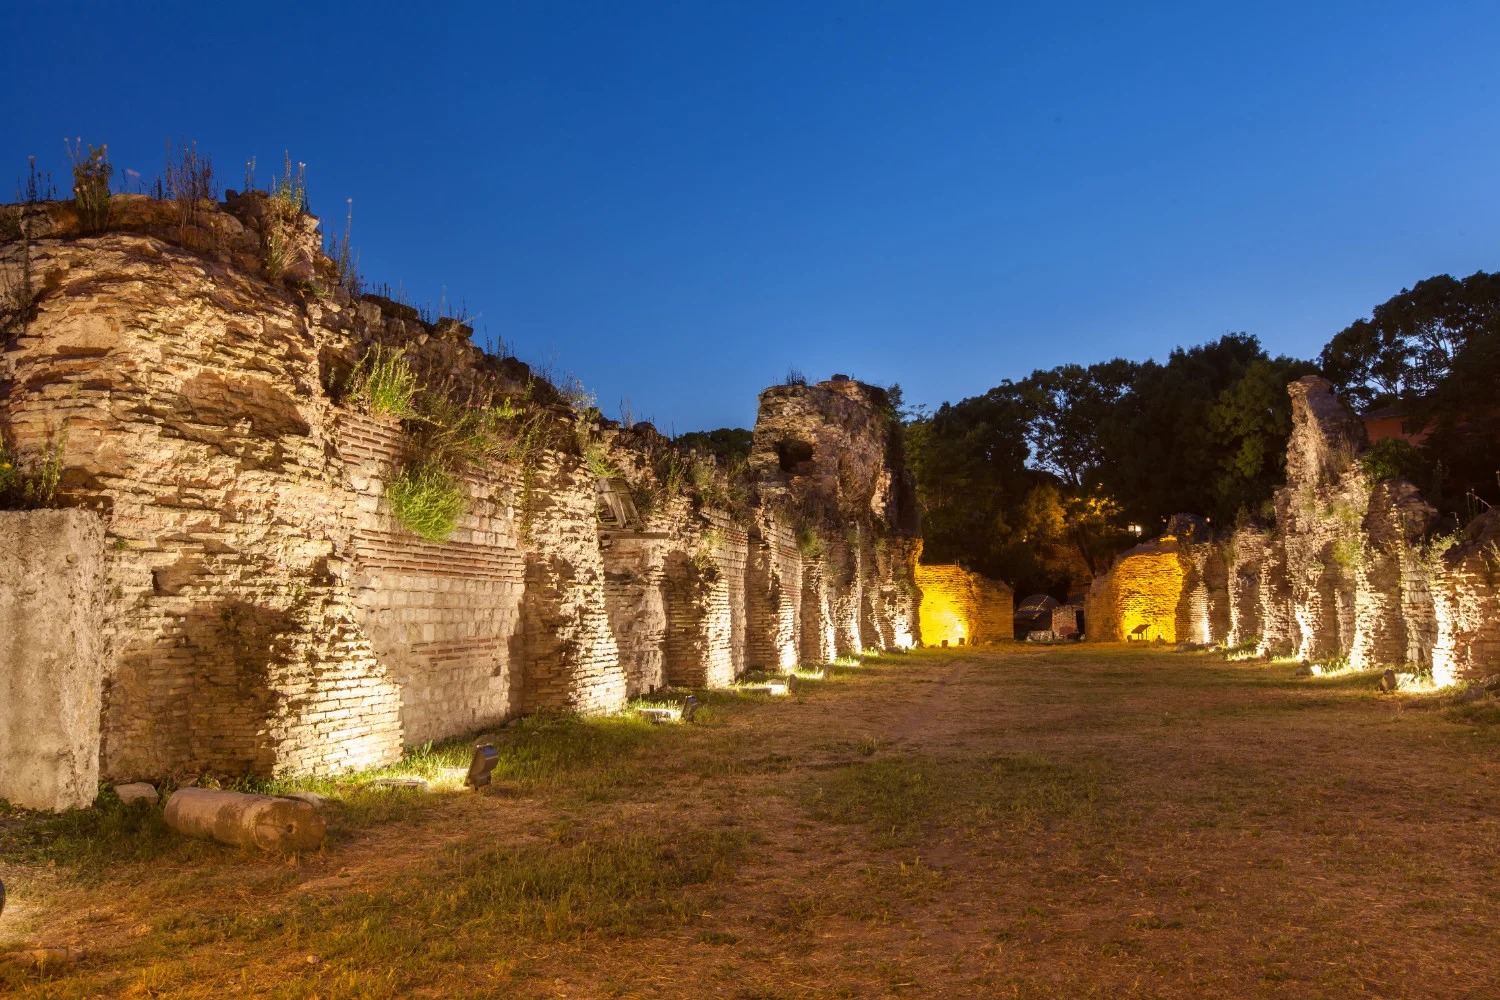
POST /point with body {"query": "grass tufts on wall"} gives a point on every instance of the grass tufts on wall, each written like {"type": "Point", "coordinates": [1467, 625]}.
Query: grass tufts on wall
{"type": "Point", "coordinates": [384, 385]}
{"type": "Point", "coordinates": [427, 501]}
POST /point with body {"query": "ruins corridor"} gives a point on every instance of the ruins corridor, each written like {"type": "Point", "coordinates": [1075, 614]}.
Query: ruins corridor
{"type": "Point", "coordinates": [1011, 820]}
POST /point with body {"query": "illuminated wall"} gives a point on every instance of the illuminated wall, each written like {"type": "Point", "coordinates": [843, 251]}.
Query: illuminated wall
{"type": "Point", "coordinates": [1148, 588]}
{"type": "Point", "coordinates": [960, 606]}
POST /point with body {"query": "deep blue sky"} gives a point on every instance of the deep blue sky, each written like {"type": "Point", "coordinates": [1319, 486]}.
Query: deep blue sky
{"type": "Point", "coordinates": [679, 201]}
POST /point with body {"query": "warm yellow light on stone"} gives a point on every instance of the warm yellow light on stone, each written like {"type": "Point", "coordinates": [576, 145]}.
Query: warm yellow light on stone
{"type": "Point", "coordinates": [1149, 586]}
{"type": "Point", "coordinates": [962, 607]}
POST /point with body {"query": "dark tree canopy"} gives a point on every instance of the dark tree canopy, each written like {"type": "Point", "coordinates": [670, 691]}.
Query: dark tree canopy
{"type": "Point", "coordinates": [1204, 433]}
{"type": "Point", "coordinates": [1036, 481]}
{"type": "Point", "coordinates": [728, 444]}
{"type": "Point", "coordinates": [1409, 346]}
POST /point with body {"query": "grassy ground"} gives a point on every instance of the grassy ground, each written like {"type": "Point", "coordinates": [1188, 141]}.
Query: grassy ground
{"type": "Point", "coordinates": [1010, 822]}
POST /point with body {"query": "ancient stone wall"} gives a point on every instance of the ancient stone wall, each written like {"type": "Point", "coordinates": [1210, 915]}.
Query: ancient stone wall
{"type": "Point", "coordinates": [262, 609]}
{"type": "Point", "coordinates": [1350, 568]}
{"type": "Point", "coordinates": [959, 607]}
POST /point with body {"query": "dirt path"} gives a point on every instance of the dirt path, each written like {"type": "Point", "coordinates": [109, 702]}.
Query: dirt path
{"type": "Point", "coordinates": [1010, 822]}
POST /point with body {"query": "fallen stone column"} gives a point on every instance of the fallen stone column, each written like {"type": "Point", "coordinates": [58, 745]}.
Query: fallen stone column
{"type": "Point", "coordinates": [245, 820]}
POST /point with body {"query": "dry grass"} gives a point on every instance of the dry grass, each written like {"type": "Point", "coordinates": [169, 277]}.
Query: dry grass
{"type": "Point", "coordinates": [1016, 822]}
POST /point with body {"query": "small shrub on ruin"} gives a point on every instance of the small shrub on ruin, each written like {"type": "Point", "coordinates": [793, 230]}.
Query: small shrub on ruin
{"type": "Point", "coordinates": [30, 482]}
{"type": "Point", "coordinates": [672, 475]}
{"type": "Point", "coordinates": [344, 257]}
{"type": "Point", "coordinates": [91, 177]}
{"type": "Point", "coordinates": [189, 180]}
{"type": "Point", "coordinates": [809, 543]}
{"type": "Point", "coordinates": [596, 457]}
{"type": "Point", "coordinates": [280, 217]}
{"type": "Point", "coordinates": [384, 385]}
{"type": "Point", "coordinates": [794, 376]}
{"type": "Point", "coordinates": [705, 557]}
{"type": "Point", "coordinates": [454, 428]}
{"type": "Point", "coordinates": [427, 500]}
{"type": "Point", "coordinates": [1391, 458]}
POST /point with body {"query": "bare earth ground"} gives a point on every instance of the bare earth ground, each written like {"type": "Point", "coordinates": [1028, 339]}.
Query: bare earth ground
{"type": "Point", "coordinates": [1008, 822]}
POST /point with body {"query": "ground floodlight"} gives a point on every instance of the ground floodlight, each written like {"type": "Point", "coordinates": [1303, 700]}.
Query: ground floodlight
{"type": "Point", "coordinates": [485, 759]}
{"type": "Point", "coordinates": [690, 706]}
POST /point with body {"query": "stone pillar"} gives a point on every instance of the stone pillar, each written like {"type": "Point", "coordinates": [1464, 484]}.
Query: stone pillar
{"type": "Point", "coordinates": [817, 636]}
{"type": "Point", "coordinates": [773, 584]}
{"type": "Point", "coordinates": [1280, 633]}
{"type": "Point", "coordinates": [52, 657]}
{"type": "Point", "coordinates": [843, 581]}
{"type": "Point", "coordinates": [571, 659]}
{"type": "Point", "coordinates": [1466, 599]}
{"type": "Point", "coordinates": [634, 577]}
{"type": "Point", "coordinates": [1246, 553]}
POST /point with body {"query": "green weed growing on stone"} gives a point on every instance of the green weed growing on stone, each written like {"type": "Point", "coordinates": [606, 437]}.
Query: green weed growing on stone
{"type": "Point", "coordinates": [29, 482]}
{"type": "Point", "coordinates": [384, 385]}
{"type": "Point", "coordinates": [280, 216]}
{"type": "Point", "coordinates": [91, 177]}
{"type": "Point", "coordinates": [427, 500]}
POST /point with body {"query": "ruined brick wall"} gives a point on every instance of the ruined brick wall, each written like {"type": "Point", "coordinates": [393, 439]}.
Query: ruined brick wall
{"type": "Point", "coordinates": [442, 618]}
{"type": "Point", "coordinates": [634, 578]}
{"type": "Point", "coordinates": [196, 426]}
{"type": "Point", "coordinates": [1350, 568]}
{"type": "Point", "coordinates": [263, 610]}
{"type": "Point", "coordinates": [961, 607]}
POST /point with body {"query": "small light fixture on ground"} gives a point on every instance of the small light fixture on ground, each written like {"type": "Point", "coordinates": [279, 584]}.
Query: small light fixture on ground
{"type": "Point", "coordinates": [690, 706]}
{"type": "Point", "coordinates": [484, 761]}
{"type": "Point", "coordinates": [774, 688]}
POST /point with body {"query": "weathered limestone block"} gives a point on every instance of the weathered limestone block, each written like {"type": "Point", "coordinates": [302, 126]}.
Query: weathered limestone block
{"type": "Point", "coordinates": [1466, 599]}
{"type": "Point", "coordinates": [259, 821]}
{"type": "Point", "coordinates": [52, 594]}
{"type": "Point", "coordinates": [959, 606]}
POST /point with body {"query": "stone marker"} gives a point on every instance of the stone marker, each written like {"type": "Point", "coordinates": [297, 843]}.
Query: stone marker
{"type": "Point", "coordinates": [660, 714]}
{"type": "Point", "coordinates": [247, 820]}
{"type": "Point", "coordinates": [44, 958]}
{"type": "Point", "coordinates": [420, 784]}
{"type": "Point", "coordinates": [137, 791]}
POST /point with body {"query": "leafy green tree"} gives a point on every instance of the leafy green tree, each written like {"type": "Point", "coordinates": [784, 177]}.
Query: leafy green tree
{"type": "Point", "coordinates": [1067, 407]}
{"type": "Point", "coordinates": [1249, 425]}
{"type": "Point", "coordinates": [1409, 345]}
{"type": "Point", "coordinates": [1162, 453]}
